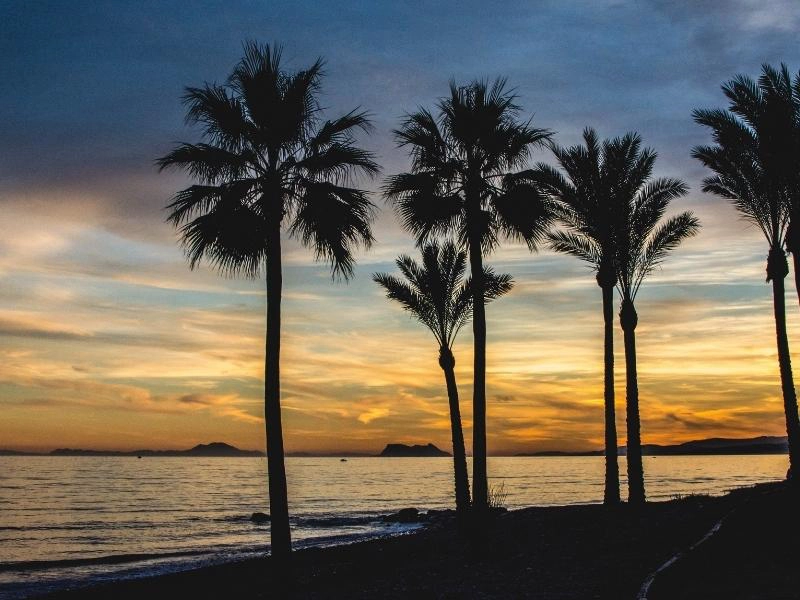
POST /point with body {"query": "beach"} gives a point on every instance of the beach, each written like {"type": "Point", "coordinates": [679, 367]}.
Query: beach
{"type": "Point", "coordinates": [584, 551]}
{"type": "Point", "coordinates": [75, 522]}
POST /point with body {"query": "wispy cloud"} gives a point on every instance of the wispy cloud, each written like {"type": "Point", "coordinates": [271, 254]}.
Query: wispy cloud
{"type": "Point", "coordinates": [107, 338]}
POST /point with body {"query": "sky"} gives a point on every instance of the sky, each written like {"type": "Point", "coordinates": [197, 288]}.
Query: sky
{"type": "Point", "coordinates": [109, 340]}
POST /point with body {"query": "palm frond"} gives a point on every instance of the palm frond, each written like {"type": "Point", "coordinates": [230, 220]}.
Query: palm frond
{"type": "Point", "coordinates": [649, 206]}
{"type": "Point", "coordinates": [665, 238]}
{"type": "Point", "coordinates": [420, 133]}
{"type": "Point", "coordinates": [728, 131]}
{"type": "Point", "coordinates": [341, 130]}
{"type": "Point", "coordinates": [740, 158]}
{"type": "Point", "coordinates": [338, 161]}
{"type": "Point", "coordinates": [230, 236]}
{"type": "Point", "coordinates": [297, 114]}
{"type": "Point", "coordinates": [580, 246]}
{"type": "Point", "coordinates": [523, 212]}
{"type": "Point", "coordinates": [198, 199]}
{"type": "Point", "coordinates": [435, 291]}
{"type": "Point", "coordinates": [221, 115]}
{"type": "Point", "coordinates": [207, 163]}
{"type": "Point", "coordinates": [410, 300]}
{"type": "Point", "coordinates": [494, 286]}
{"type": "Point", "coordinates": [746, 99]}
{"type": "Point", "coordinates": [739, 179]}
{"type": "Point", "coordinates": [422, 210]}
{"type": "Point", "coordinates": [333, 221]}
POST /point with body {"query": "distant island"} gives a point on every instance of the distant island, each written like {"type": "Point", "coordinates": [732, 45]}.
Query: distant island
{"type": "Point", "coordinates": [759, 445]}
{"type": "Point", "coordinates": [412, 451]}
{"type": "Point", "coordinates": [214, 449]}
{"type": "Point", "coordinates": [711, 446]}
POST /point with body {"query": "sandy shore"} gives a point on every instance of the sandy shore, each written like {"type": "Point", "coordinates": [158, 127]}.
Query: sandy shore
{"type": "Point", "coordinates": [582, 552]}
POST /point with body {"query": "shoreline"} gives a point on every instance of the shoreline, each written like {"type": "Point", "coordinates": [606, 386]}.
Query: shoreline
{"type": "Point", "coordinates": [572, 551]}
{"type": "Point", "coordinates": [131, 567]}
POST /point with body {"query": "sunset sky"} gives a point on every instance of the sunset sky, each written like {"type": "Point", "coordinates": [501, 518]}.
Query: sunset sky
{"type": "Point", "coordinates": [108, 340]}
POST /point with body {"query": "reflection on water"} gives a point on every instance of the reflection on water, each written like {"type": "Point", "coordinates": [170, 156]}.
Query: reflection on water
{"type": "Point", "coordinates": [81, 518]}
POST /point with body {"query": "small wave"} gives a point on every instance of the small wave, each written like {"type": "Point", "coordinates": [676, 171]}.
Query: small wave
{"type": "Point", "coordinates": [323, 522]}
{"type": "Point", "coordinates": [338, 521]}
{"type": "Point", "coordinates": [324, 541]}
{"type": "Point", "coordinates": [114, 559]}
{"type": "Point", "coordinates": [314, 521]}
{"type": "Point", "coordinates": [84, 526]}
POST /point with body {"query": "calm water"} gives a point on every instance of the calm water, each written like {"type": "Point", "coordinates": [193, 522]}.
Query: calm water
{"type": "Point", "coordinates": [68, 521]}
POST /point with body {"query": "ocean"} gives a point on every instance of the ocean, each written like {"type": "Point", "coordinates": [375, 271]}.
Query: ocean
{"type": "Point", "coordinates": [72, 521]}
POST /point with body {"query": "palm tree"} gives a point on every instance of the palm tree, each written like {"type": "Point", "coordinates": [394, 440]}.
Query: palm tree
{"type": "Point", "coordinates": [643, 242]}
{"type": "Point", "coordinates": [461, 182]}
{"type": "Point", "coordinates": [436, 294]}
{"type": "Point", "coordinates": [588, 192]}
{"type": "Point", "coordinates": [745, 173]}
{"type": "Point", "coordinates": [266, 161]}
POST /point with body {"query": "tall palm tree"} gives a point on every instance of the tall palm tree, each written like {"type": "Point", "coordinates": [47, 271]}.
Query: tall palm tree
{"type": "Point", "coordinates": [462, 182]}
{"type": "Point", "coordinates": [745, 174]}
{"type": "Point", "coordinates": [588, 192]}
{"type": "Point", "coordinates": [643, 241]}
{"type": "Point", "coordinates": [268, 161]}
{"type": "Point", "coordinates": [436, 294]}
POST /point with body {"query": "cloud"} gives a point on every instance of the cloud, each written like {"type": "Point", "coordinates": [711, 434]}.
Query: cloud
{"type": "Point", "coordinates": [372, 414]}
{"type": "Point", "coordinates": [28, 327]}
{"type": "Point", "coordinates": [103, 326]}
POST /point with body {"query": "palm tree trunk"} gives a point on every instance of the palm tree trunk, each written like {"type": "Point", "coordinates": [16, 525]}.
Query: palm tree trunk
{"type": "Point", "coordinates": [796, 266]}
{"type": "Point", "coordinates": [480, 484]}
{"type": "Point", "coordinates": [776, 272]}
{"type": "Point", "coordinates": [793, 247]}
{"type": "Point", "coordinates": [611, 495]}
{"type": "Point", "coordinates": [280, 540]}
{"type": "Point", "coordinates": [447, 361]}
{"type": "Point", "coordinates": [629, 320]}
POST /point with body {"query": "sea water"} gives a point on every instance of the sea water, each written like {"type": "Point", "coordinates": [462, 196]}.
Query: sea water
{"type": "Point", "coordinates": [71, 521]}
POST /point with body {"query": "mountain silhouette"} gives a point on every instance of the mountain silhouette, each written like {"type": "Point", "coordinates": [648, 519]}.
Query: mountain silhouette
{"type": "Point", "coordinates": [214, 449]}
{"type": "Point", "coordinates": [764, 444]}
{"type": "Point", "coordinates": [412, 451]}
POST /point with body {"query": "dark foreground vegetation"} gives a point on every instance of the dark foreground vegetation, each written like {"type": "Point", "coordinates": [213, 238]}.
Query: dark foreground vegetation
{"type": "Point", "coordinates": [588, 551]}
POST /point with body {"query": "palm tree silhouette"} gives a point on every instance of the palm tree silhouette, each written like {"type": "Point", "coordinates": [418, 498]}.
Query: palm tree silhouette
{"type": "Point", "coordinates": [436, 294]}
{"type": "Point", "coordinates": [588, 192]}
{"type": "Point", "coordinates": [642, 243]}
{"type": "Point", "coordinates": [461, 183]}
{"type": "Point", "coordinates": [268, 160]}
{"type": "Point", "coordinates": [748, 174]}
